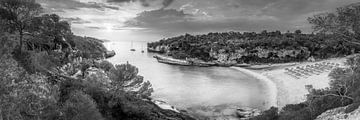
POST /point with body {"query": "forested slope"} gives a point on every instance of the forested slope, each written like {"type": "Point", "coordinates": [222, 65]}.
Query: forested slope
{"type": "Point", "coordinates": [48, 73]}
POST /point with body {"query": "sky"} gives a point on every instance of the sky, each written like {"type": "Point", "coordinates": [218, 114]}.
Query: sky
{"type": "Point", "coordinates": [166, 18]}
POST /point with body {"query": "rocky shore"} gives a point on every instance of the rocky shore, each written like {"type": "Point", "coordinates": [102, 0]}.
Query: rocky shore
{"type": "Point", "coordinates": [195, 62]}
{"type": "Point", "coordinates": [223, 112]}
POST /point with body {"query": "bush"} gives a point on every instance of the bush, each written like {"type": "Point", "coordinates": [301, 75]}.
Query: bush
{"type": "Point", "coordinates": [125, 77]}
{"type": "Point", "coordinates": [89, 47]}
{"type": "Point", "coordinates": [105, 65]}
{"type": "Point", "coordinates": [80, 106]}
{"type": "Point", "coordinates": [25, 96]}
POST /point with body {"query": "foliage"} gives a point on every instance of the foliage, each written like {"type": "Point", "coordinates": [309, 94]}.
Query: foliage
{"type": "Point", "coordinates": [251, 47]}
{"type": "Point", "coordinates": [49, 33]}
{"type": "Point", "coordinates": [37, 97]}
{"type": "Point", "coordinates": [344, 23]}
{"type": "Point", "coordinates": [24, 96]}
{"type": "Point", "coordinates": [88, 47]}
{"type": "Point", "coordinates": [343, 91]}
{"type": "Point", "coordinates": [105, 65]}
{"type": "Point", "coordinates": [6, 45]}
{"type": "Point", "coordinates": [337, 34]}
{"type": "Point", "coordinates": [18, 15]}
{"type": "Point", "coordinates": [81, 106]}
{"type": "Point", "coordinates": [41, 82]}
{"type": "Point", "coordinates": [34, 62]}
{"type": "Point", "coordinates": [125, 78]}
{"type": "Point", "coordinates": [119, 105]}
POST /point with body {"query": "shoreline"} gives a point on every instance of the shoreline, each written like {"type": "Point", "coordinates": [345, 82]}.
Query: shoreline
{"type": "Point", "coordinates": [285, 89]}
{"type": "Point", "coordinates": [269, 84]}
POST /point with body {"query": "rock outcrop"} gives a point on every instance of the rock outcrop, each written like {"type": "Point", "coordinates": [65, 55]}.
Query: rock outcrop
{"type": "Point", "coordinates": [109, 54]}
{"type": "Point", "coordinates": [223, 112]}
{"type": "Point", "coordinates": [340, 114]}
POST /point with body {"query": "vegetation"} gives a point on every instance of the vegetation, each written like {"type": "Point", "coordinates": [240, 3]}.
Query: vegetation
{"type": "Point", "coordinates": [344, 85]}
{"type": "Point", "coordinates": [343, 91]}
{"type": "Point", "coordinates": [56, 75]}
{"type": "Point", "coordinates": [265, 47]}
{"type": "Point", "coordinates": [344, 23]}
{"type": "Point", "coordinates": [337, 34]}
{"type": "Point", "coordinates": [18, 15]}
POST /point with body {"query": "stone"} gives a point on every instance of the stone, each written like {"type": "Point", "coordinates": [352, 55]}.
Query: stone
{"type": "Point", "coordinates": [339, 114]}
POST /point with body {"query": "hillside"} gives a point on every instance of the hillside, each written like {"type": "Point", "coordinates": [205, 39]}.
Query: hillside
{"type": "Point", "coordinates": [48, 73]}
{"type": "Point", "coordinates": [254, 48]}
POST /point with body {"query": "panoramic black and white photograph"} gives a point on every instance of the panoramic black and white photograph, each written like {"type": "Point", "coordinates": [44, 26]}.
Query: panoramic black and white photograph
{"type": "Point", "coordinates": [179, 60]}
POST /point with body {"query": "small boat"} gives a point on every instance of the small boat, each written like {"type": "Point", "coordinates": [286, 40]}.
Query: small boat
{"type": "Point", "coordinates": [142, 49]}
{"type": "Point", "coordinates": [187, 62]}
{"type": "Point", "coordinates": [132, 49]}
{"type": "Point", "coordinates": [169, 60]}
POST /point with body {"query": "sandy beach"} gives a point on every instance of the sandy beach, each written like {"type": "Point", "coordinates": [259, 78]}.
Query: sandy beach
{"type": "Point", "coordinates": [286, 89]}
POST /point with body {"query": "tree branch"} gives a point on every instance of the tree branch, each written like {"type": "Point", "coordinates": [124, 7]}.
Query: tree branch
{"type": "Point", "coordinates": [358, 43]}
{"type": "Point", "coordinates": [343, 96]}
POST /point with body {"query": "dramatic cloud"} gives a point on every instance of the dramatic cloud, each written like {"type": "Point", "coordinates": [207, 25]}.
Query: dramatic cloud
{"type": "Point", "coordinates": [192, 16]}
{"type": "Point", "coordinates": [240, 15]}
{"type": "Point", "coordinates": [92, 27]}
{"type": "Point", "coordinates": [172, 22]}
{"type": "Point", "coordinates": [166, 3]}
{"type": "Point", "coordinates": [60, 5]}
{"type": "Point", "coordinates": [158, 17]}
{"type": "Point", "coordinates": [76, 20]}
{"type": "Point", "coordinates": [145, 3]}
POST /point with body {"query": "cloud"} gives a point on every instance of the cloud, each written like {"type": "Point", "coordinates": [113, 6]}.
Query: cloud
{"type": "Point", "coordinates": [158, 18]}
{"type": "Point", "coordinates": [94, 27]}
{"type": "Point", "coordinates": [145, 3]}
{"type": "Point", "coordinates": [252, 3]}
{"type": "Point", "coordinates": [56, 5]}
{"type": "Point", "coordinates": [166, 3]}
{"type": "Point", "coordinates": [172, 22]}
{"type": "Point", "coordinates": [76, 20]}
{"type": "Point", "coordinates": [192, 16]}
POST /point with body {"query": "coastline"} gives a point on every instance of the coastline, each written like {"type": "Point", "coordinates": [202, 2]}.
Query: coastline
{"type": "Point", "coordinates": [285, 89]}
{"type": "Point", "coordinates": [271, 86]}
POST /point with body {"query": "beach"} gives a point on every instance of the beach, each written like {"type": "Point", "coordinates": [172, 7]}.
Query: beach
{"type": "Point", "coordinates": [286, 89]}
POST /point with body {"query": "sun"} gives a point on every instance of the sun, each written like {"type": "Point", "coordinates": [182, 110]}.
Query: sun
{"type": "Point", "coordinates": [108, 27]}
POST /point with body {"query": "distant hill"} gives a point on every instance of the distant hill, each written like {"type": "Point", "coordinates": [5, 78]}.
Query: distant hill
{"type": "Point", "coordinates": [254, 48]}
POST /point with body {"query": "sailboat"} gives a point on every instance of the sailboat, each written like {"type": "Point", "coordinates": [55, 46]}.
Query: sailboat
{"type": "Point", "coordinates": [142, 49]}
{"type": "Point", "coordinates": [132, 49]}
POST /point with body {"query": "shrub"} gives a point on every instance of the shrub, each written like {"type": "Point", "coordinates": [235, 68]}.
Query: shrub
{"type": "Point", "coordinates": [80, 106]}
{"type": "Point", "coordinates": [105, 65]}
{"type": "Point", "coordinates": [25, 96]}
{"type": "Point", "coordinates": [125, 77]}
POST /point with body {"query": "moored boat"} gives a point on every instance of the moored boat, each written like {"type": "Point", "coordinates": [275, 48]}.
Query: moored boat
{"type": "Point", "coordinates": [168, 60]}
{"type": "Point", "coordinates": [187, 62]}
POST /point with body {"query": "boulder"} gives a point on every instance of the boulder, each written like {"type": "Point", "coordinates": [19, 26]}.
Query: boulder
{"type": "Point", "coordinates": [247, 112]}
{"type": "Point", "coordinates": [340, 114]}
{"type": "Point", "coordinates": [109, 54]}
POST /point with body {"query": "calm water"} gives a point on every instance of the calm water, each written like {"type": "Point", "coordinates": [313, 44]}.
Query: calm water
{"type": "Point", "coordinates": [185, 87]}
